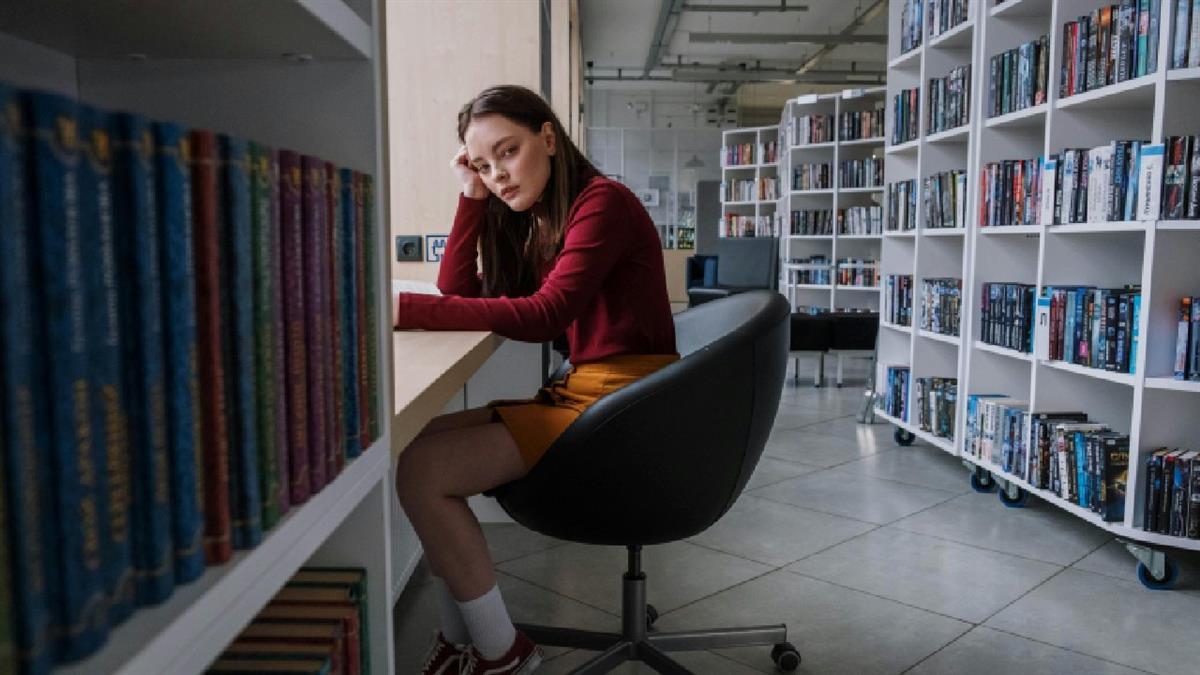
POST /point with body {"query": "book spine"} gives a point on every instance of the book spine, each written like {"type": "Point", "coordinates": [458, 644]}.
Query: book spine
{"type": "Point", "coordinates": [1193, 59]}
{"type": "Point", "coordinates": [64, 364]}
{"type": "Point", "coordinates": [8, 649]}
{"type": "Point", "coordinates": [109, 411]}
{"type": "Point", "coordinates": [1178, 527]}
{"type": "Point", "coordinates": [364, 412]}
{"type": "Point", "coordinates": [371, 300]}
{"type": "Point", "coordinates": [206, 242]}
{"type": "Point", "coordinates": [313, 214]}
{"type": "Point", "coordinates": [264, 345]}
{"type": "Point", "coordinates": [292, 255]}
{"type": "Point", "coordinates": [348, 314]}
{"type": "Point", "coordinates": [1193, 181]}
{"type": "Point", "coordinates": [1194, 341]}
{"type": "Point", "coordinates": [176, 258]}
{"type": "Point", "coordinates": [333, 197]}
{"type": "Point", "coordinates": [23, 423]}
{"type": "Point", "coordinates": [1193, 514]}
{"type": "Point", "coordinates": [237, 256]}
{"type": "Point", "coordinates": [279, 352]}
{"type": "Point", "coordinates": [335, 458]}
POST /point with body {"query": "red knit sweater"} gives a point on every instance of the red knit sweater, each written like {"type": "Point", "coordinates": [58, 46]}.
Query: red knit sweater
{"type": "Point", "coordinates": [606, 289]}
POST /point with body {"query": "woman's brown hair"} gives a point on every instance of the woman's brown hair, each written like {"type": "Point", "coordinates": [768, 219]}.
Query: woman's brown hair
{"type": "Point", "coordinates": [513, 249]}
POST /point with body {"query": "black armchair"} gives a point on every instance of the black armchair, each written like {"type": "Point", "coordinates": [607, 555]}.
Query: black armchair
{"type": "Point", "coordinates": [661, 460]}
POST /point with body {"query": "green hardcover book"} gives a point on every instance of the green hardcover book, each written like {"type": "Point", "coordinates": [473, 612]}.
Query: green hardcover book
{"type": "Point", "coordinates": [264, 337]}
{"type": "Point", "coordinates": [350, 580]}
{"type": "Point", "coordinates": [8, 654]}
{"type": "Point", "coordinates": [371, 248]}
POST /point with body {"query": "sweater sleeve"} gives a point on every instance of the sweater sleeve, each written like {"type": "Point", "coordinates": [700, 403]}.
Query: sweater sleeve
{"type": "Point", "coordinates": [597, 236]}
{"type": "Point", "coordinates": [459, 272]}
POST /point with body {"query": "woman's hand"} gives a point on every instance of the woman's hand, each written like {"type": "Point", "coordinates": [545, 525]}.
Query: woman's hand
{"type": "Point", "coordinates": [473, 187]}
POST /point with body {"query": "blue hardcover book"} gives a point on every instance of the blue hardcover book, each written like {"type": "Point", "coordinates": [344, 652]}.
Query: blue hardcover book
{"type": "Point", "coordinates": [135, 216]}
{"type": "Point", "coordinates": [110, 414]}
{"type": "Point", "coordinates": [23, 426]}
{"type": "Point", "coordinates": [64, 365]}
{"type": "Point", "coordinates": [1134, 332]}
{"type": "Point", "coordinates": [1082, 493]}
{"type": "Point", "coordinates": [174, 200]}
{"type": "Point", "coordinates": [237, 289]}
{"type": "Point", "coordinates": [348, 302]}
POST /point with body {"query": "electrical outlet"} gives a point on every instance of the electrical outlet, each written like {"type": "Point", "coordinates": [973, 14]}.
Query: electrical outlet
{"type": "Point", "coordinates": [409, 249]}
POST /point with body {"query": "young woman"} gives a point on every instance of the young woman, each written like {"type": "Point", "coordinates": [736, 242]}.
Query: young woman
{"type": "Point", "coordinates": [563, 250]}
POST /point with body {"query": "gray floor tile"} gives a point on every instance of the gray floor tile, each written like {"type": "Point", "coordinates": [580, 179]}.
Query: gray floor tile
{"type": "Point", "coordinates": [871, 499]}
{"type": "Point", "coordinates": [677, 573]}
{"type": "Point", "coordinates": [1113, 560]}
{"type": "Point", "coordinates": [809, 447]}
{"type": "Point", "coordinates": [941, 576]}
{"type": "Point", "coordinates": [836, 630]}
{"type": "Point", "coordinates": [1115, 620]}
{"type": "Point", "coordinates": [507, 541]}
{"type": "Point", "coordinates": [700, 663]}
{"type": "Point", "coordinates": [922, 465]}
{"type": "Point", "coordinates": [848, 427]}
{"type": "Point", "coordinates": [776, 534]}
{"type": "Point", "coordinates": [792, 417]}
{"type": "Point", "coordinates": [984, 651]}
{"type": "Point", "coordinates": [771, 470]}
{"type": "Point", "coordinates": [1039, 531]}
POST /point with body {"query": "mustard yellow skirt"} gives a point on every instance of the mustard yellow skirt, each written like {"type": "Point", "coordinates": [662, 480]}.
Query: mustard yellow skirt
{"type": "Point", "coordinates": [537, 422]}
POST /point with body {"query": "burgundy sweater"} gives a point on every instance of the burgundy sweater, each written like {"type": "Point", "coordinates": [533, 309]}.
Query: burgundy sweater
{"type": "Point", "coordinates": [606, 289]}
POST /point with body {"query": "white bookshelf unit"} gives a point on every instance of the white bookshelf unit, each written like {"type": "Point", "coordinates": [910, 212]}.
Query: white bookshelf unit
{"type": "Point", "coordinates": [862, 246]}
{"type": "Point", "coordinates": [298, 74]}
{"type": "Point", "coordinates": [1149, 405]}
{"type": "Point", "coordinates": [760, 208]}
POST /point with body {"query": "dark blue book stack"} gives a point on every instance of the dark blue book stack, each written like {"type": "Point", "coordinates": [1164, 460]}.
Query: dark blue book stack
{"type": "Point", "coordinates": [110, 412]}
{"type": "Point", "coordinates": [347, 304]}
{"type": "Point", "coordinates": [23, 429]}
{"type": "Point", "coordinates": [135, 216]}
{"type": "Point", "coordinates": [237, 290]}
{"type": "Point", "coordinates": [63, 363]}
{"type": "Point", "coordinates": [173, 198]}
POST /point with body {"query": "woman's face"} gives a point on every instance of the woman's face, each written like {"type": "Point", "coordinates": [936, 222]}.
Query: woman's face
{"type": "Point", "coordinates": [512, 161]}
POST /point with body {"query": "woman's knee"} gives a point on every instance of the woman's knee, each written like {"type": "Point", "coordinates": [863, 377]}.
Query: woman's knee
{"type": "Point", "coordinates": [414, 470]}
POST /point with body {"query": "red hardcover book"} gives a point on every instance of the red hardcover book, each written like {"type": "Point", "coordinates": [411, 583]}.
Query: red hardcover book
{"type": "Point", "coordinates": [292, 255]}
{"type": "Point", "coordinates": [337, 436]}
{"type": "Point", "coordinates": [360, 280]}
{"type": "Point", "coordinates": [218, 544]}
{"type": "Point", "coordinates": [279, 358]}
{"type": "Point", "coordinates": [312, 226]}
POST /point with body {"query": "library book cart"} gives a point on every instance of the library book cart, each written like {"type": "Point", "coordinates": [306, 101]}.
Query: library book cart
{"type": "Point", "coordinates": [749, 181]}
{"type": "Point", "coordinates": [1148, 404]}
{"type": "Point", "coordinates": [306, 75]}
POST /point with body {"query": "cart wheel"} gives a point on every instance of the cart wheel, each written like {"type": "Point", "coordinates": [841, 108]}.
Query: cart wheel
{"type": "Point", "coordinates": [651, 616]}
{"type": "Point", "coordinates": [1017, 502]}
{"type": "Point", "coordinates": [982, 481]}
{"type": "Point", "coordinates": [1171, 575]}
{"type": "Point", "coordinates": [903, 437]}
{"type": "Point", "coordinates": [786, 657]}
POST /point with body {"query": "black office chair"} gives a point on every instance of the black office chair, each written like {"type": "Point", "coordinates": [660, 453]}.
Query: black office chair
{"type": "Point", "coordinates": [662, 460]}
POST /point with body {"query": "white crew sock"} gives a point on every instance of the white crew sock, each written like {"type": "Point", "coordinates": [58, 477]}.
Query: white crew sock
{"type": "Point", "coordinates": [454, 628]}
{"type": "Point", "coordinates": [492, 631]}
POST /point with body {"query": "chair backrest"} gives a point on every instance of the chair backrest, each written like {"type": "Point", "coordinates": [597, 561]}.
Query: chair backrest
{"type": "Point", "coordinates": [665, 457]}
{"type": "Point", "coordinates": [747, 262]}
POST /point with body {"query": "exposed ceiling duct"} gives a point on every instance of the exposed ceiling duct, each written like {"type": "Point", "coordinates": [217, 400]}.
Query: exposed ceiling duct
{"type": "Point", "coordinates": [746, 9]}
{"type": "Point", "coordinates": [787, 39]}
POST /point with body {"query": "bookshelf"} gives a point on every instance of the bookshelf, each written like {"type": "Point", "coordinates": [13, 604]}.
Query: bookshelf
{"type": "Point", "coordinates": [752, 164]}
{"type": "Point", "coordinates": [298, 74]}
{"type": "Point", "coordinates": [795, 151]}
{"type": "Point", "coordinates": [1149, 405]}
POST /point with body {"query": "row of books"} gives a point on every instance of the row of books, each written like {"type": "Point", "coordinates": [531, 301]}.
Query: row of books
{"type": "Point", "coordinates": [937, 402]}
{"type": "Point", "coordinates": [1006, 313]}
{"type": "Point", "coordinates": [912, 25]}
{"type": "Point", "coordinates": [863, 273]}
{"type": "Point", "coordinates": [317, 624]}
{"type": "Point", "coordinates": [1011, 193]}
{"type": "Point", "coordinates": [854, 125]}
{"type": "Point", "coordinates": [1082, 462]}
{"type": "Point", "coordinates": [1187, 339]}
{"type": "Point", "coordinates": [1100, 184]}
{"type": "Point", "coordinates": [812, 177]}
{"type": "Point", "coordinates": [949, 104]}
{"type": "Point", "coordinates": [897, 299]}
{"type": "Point", "coordinates": [942, 15]}
{"type": "Point", "coordinates": [1181, 177]}
{"type": "Point", "coordinates": [902, 205]}
{"type": "Point", "coordinates": [1019, 77]}
{"type": "Point", "coordinates": [1171, 504]}
{"type": "Point", "coordinates": [860, 173]}
{"type": "Point", "coordinates": [815, 270]}
{"type": "Point", "coordinates": [1113, 44]}
{"type": "Point", "coordinates": [1185, 47]}
{"type": "Point", "coordinates": [944, 197]}
{"type": "Point", "coordinates": [190, 348]}
{"type": "Point", "coordinates": [1087, 326]}
{"type": "Point", "coordinates": [737, 225]}
{"type": "Point", "coordinates": [860, 220]}
{"type": "Point", "coordinates": [742, 154]}
{"type": "Point", "coordinates": [941, 305]}
{"type": "Point", "coordinates": [810, 129]}
{"type": "Point", "coordinates": [748, 190]}
{"type": "Point", "coordinates": [893, 400]}
{"type": "Point", "coordinates": [816, 222]}
{"type": "Point", "coordinates": [906, 120]}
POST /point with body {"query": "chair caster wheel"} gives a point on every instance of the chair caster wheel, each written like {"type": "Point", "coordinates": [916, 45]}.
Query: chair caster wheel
{"type": "Point", "coordinates": [786, 657]}
{"type": "Point", "coordinates": [903, 437]}
{"type": "Point", "coordinates": [1017, 502]}
{"type": "Point", "coordinates": [651, 616]}
{"type": "Point", "coordinates": [982, 481]}
{"type": "Point", "coordinates": [1167, 582]}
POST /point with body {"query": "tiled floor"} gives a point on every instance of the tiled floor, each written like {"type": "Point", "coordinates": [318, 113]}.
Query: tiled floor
{"type": "Point", "coordinates": [880, 559]}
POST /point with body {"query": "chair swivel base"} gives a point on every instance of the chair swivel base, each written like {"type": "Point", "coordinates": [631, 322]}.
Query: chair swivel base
{"type": "Point", "coordinates": [635, 643]}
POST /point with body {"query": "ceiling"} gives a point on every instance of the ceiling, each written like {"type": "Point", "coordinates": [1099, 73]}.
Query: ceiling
{"type": "Point", "coordinates": [724, 50]}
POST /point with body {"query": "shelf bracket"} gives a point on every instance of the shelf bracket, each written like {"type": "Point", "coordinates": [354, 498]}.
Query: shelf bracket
{"type": "Point", "coordinates": [1153, 559]}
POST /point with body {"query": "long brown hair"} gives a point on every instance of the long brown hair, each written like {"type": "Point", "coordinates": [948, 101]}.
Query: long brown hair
{"type": "Point", "coordinates": [513, 249]}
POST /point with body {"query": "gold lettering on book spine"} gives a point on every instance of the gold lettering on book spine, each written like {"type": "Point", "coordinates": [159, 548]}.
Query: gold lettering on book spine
{"type": "Point", "coordinates": [88, 520]}
{"type": "Point", "coordinates": [29, 450]}
{"type": "Point", "coordinates": [117, 458]}
{"type": "Point", "coordinates": [158, 445]}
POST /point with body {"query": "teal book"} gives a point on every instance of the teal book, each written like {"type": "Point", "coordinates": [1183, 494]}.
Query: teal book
{"type": "Point", "coordinates": [110, 417]}
{"type": "Point", "coordinates": [266, 395]}
{"type": "Point", "coordinates": [181, 361]}
{"type": "Point", "coordinates": [64, 364]}
{"type": "Point", "coordinates": [371, 299]}
{"type": "Point", "coordinates": [348, 299]}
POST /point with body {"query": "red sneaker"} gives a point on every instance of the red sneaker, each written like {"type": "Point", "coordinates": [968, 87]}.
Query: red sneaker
{"type": "Point", "coordinates": [522, 657]}
{"type": "Point", "coordinates": [444, 657]}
